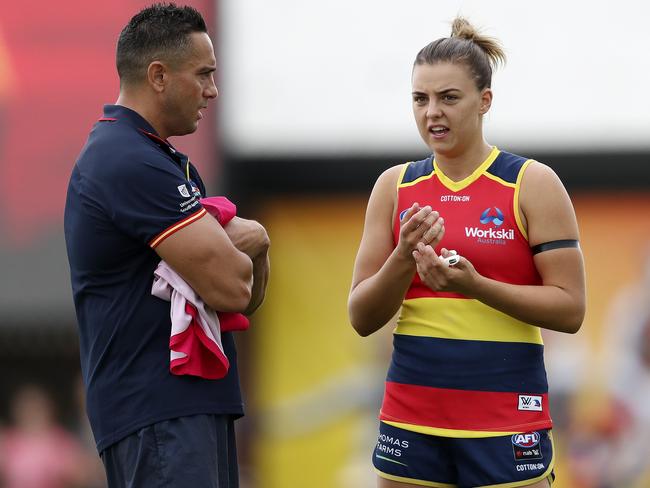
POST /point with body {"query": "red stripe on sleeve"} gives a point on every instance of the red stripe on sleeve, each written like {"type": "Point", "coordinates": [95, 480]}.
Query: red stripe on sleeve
{"type": "Point", "coordinates": [176, 227]}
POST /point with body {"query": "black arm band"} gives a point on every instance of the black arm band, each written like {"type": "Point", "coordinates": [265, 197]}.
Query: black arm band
{"type": "Point", "coordinates": [547, 246]}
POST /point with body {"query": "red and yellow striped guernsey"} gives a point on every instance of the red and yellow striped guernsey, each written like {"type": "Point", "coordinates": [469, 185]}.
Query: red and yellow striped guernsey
{"type": "Point", "coordinates": [461, 368]}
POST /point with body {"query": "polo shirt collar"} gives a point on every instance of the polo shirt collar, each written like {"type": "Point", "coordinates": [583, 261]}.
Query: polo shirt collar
{"type": "Point", "coordinates": [119, 112]}
{"type": "Point", "coordinates": [133, 118]}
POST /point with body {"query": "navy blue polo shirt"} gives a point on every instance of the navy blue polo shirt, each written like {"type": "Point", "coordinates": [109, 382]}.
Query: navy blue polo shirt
{"type": "Point", "coordinates": [128, 191]}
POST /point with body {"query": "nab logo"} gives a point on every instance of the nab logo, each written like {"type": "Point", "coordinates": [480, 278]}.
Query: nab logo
{"type": "Point", "coordinates": [529, 439]}
{"type": "Point", "coordinates": [530, 402]}
{"type": "Point", "coordinates": [496, 217]}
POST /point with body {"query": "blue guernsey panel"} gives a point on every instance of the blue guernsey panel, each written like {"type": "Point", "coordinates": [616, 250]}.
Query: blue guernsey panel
{"type": "Point", "coordinates": [418, 169]}
{"type": "Point", "coordinates": [506, 166]}
{"type": "Point", "coordinates": [468, 365]}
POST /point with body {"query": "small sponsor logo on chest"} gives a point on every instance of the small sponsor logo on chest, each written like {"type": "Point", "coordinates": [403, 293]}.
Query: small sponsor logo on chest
{"type": "Point", "coordinates": [455, 198]}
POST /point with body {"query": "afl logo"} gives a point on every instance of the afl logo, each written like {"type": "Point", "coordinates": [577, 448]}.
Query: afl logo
{"type": "Point", "coordinates": [527, 440]}
{"type": "Point", "coordinates": [402, 213]}
{"type": "Point", "coordinates": [496, 217]}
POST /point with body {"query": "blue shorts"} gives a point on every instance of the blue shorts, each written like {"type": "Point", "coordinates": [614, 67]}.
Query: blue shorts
{"type": "Point", "coordinates": [197, 450]}
{"type": "Point", "coordinates": [428, 460]}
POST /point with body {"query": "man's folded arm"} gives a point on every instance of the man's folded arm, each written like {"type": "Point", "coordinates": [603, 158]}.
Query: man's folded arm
{"type": "Point", "coordinates": [203, 254]}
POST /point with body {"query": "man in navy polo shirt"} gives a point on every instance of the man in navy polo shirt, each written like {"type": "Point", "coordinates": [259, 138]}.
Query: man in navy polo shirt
{"type": "Point", "coordinates": [132, 200]}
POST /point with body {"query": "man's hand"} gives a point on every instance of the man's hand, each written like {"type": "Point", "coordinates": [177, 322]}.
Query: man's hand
{"type": "Point", "coordinates": [251, 238]}
{"type": "Point", "coordinates": [248, 236]}
{"type": "Point", "coordinates": [204, 256]}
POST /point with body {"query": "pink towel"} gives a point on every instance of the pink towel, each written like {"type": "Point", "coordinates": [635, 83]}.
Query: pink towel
{"type": "Point", "coordinates": [195, 341]}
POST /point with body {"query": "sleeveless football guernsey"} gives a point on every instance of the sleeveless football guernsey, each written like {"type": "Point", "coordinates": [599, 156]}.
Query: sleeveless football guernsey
{"type": "Point", "coordinates": [461, 368]}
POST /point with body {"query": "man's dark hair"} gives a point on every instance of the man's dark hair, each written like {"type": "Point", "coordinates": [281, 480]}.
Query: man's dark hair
{"type": "Point", "coordinates": [160, 32]}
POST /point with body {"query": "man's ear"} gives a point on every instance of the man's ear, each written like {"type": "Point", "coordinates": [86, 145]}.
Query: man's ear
{"type": "Point", "coordinates": [486, 101]}
{"type": "Point", "coordinates": [157, 76]}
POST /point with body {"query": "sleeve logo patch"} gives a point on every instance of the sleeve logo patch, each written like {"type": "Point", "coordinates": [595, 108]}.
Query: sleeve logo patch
{"type": "Point", "coordinates": [182, 189]}
{"type": "Point", "coordinates": [195, 190]}
{"type": "Point", "coordinates": [530, 403]}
